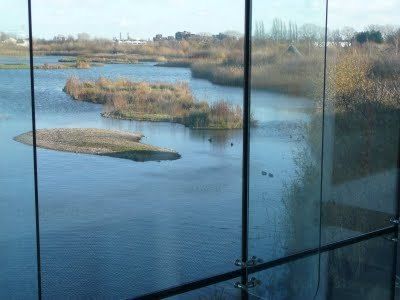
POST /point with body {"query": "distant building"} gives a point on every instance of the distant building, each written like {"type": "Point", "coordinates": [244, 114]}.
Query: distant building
{"type": "Point", "coordinates": [128, 40]}
{"type": "Point", "coordinates": [342, 44]}
{"type": "Point", "coordinates": [10, 40]}
{"type": "Point", "coordinates": [220, 36]}
{"type": "Point", "coordinates": [18, 42]}
{"type": "Point", "coordinates": [158, 37]}
{"type": "Point", "coordinates": [132, 42]}
{"type": "Point", "coordinates": [59, 38]}
{"type": "Point", "coordinates": [187, 35]}
{"type": "Point", "coordinates": [225, 36]}
{"type": "Point", "coordinates": [23, 42]}
{"type": "Point", "coordinates": [184, 35]}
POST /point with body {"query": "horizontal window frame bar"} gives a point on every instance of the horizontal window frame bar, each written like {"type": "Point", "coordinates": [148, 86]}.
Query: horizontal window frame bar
{"type": "Point", "coordinates": [190, 286]}
{"type": "Point", "coordinates": [193, 285]}
{"type": "Point", "coordinates": [324, 248]}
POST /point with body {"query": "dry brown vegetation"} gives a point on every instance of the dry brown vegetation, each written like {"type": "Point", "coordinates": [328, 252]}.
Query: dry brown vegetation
{"type": "Point", "coordinates": [76, 65]}
{"type": "Point", "coordinates": [364, 89]}
{"type": "Point", "coordinates": [274, 66]}
{"type": "Point", "coordinates": [155, 102]}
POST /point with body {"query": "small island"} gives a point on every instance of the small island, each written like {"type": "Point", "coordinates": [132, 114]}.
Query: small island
{"type": "Point", "coordinates": [14, 66]}
{"type": "Point", "coordinates": [53, 66]}
{"type": "Point", "coordinates": [103, 59]}
{"type": "Point", "coordinates": [103, 142]}
{"type": "Point", "coordinates": [58, 66]}
{"type": "Point", "coordinates": [157, 102]}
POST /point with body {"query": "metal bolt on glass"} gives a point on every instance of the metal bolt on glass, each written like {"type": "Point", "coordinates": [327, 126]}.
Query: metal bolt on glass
{"type": "Point", "coordinates": [392, 239]}
{"type": "Point", "coordinates": [253, 282]}
{"type": "Point", "coordinates": [252, 262]}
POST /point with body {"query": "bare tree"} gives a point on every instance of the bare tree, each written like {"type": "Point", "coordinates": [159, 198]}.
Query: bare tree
{"type": "Point", "coordinates": [336, 37]}
{"type": "Point", "coordinates": [347, 33]}
{"type": "Point", "coordinates": [83, 36]}
{"type": "Point", "coordinates": [394, 39]}
{"type": "Point", "coordinates": [277, 30]}
{"type": "Point", "coordinates": [311, 33]}
{"type": "Point", "coordinates": [260, 33]}
{"type": "Point", "coordinates": [293, 33]}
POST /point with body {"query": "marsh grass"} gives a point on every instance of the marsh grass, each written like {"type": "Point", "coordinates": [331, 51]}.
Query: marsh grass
{"type": "Point", "coordinates": [14, 66]}
{"type": "Point", "coordinates": [9, 49]}
{"type": "Point", "coordinates": [156, 102]}
{"type": "Point", "coordinates": [274, 67]}
{"type": "Point", "coordinates": [76, 65]}
{"type": "Point", "coordinates": [365, 91]}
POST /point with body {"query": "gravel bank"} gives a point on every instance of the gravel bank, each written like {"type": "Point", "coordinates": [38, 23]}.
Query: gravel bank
{"type": "Point", "coordinates": [98, 142]}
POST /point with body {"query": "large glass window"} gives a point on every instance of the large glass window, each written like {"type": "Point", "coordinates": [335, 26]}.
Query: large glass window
{"type": "Point", "coordinates": [150, 183]}
{"type": "Point", "coordinates": [363, 270]}
{"type": "Point", "coordinates": [223, 290]}
{"type": "Point", "coordinates": [360, 271]}
{"type": "Point", "coordinates": [362, 122]}
{"type": "Point", "coordinates": [17, 198]}
{"type": "Point", "coordinates": [287, 73]}
{"type": "Point", "coordinates": [161, 204]}
{"type": "Point", "coordinates": [297, 280]}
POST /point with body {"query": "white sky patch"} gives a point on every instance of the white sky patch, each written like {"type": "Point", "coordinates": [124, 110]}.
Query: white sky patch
{"type": "Point", "coordinates": [360, 13]}
{"type": "Point", "coordinates": [145, 18]}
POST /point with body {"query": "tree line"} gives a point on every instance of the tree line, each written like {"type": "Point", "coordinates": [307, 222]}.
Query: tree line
{"type": "Point", "coordinates": [282, 31]}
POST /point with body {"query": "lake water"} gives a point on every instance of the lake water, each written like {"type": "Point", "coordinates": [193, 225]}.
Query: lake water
{"type": "Point", "coordinates": [116, 228]}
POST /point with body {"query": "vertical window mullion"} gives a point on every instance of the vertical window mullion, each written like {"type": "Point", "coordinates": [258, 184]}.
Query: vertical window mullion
{"type": "Point", "coordinates": [36, 189]}
{"type": "Point", "coordinates": [246, 137]}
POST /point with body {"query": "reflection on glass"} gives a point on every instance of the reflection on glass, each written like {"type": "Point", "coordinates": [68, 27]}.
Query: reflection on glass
{"type": "Point", "coordinates": [17, 211]}
{"type": "Point", "coordinates": [221, 291]}
{"type": "Point", "coordinates": [360, 271]}
{"type": "Point", "coordinates": [362, 121]}
{"type": "Point", "coordinates": [296, 280]}
{"type": "Point", "coordinates": [124, 214]}
{"type": "Point", "coordinates": [287, 91]}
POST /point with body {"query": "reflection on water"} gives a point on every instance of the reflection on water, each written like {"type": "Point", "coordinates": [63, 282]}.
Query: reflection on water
{"type": "Point", "coordinates": [108, 223]}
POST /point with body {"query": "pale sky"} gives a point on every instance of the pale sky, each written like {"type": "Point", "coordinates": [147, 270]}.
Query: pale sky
{"type": "Point", "coordinates": [145, 18]}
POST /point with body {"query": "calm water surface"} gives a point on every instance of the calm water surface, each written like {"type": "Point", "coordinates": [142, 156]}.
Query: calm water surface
{"type": "Point", "coordinates": [116, 228]}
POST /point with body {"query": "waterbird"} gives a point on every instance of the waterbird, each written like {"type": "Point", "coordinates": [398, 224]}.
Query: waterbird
{"type": "Point", "coordinates": [270, 175]}
{"type": "Point", "coordinates": [231, 144]}
{"type": "Point", "coordinates": [210, 140]}
{"type": "Point", "coordinates": [264, 173]}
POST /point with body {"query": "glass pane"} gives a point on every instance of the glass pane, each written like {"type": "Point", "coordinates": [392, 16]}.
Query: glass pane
{"type": "Point", "coordinates": [221, 291]}
{"type": "Point", "coordinates": [362, 119]}
{"type": "Point", "coordinates": [17, 201]}
{"type": "Point", "coordinates": [359, 271]}
{"type": "Point", "coordinates": [139, 216]}
{"type": "Point", "coordinates": [397, 283]}
{"type": "Point", "coordinates": [296, 280]}
{"type": "Point", "coordinates": [286, 96]}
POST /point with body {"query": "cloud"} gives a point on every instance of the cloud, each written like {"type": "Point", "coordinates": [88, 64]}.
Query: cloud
{"type": "Point", "coordinates": [177, 2]}
{"type": "Point", "coordinates": [202, 12]}
{"type": "Point", "coordinates": [358, 13]}
{"type": "Point", "coordinates": [124, 22]}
